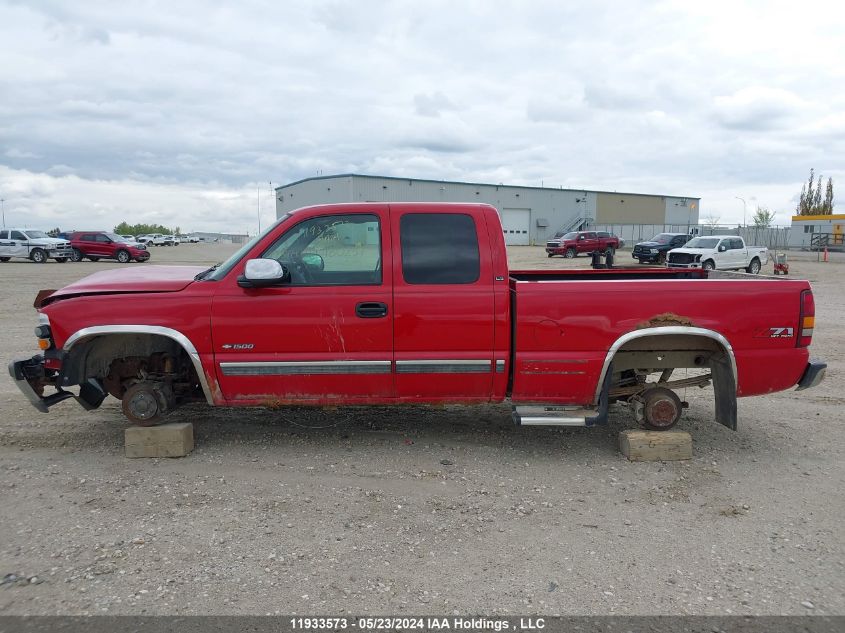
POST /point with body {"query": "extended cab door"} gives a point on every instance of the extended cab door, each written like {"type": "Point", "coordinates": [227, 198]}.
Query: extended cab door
{"type": "Point", "coordinates": [326, 336]}
{"type": "Point", "coordinates": [443, 300]}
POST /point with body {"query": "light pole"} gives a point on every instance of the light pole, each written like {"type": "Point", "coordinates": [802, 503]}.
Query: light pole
{"type": "Point", "coordinates": [743, 209]}
{"type": "Point", "coordinates": [3, 209]}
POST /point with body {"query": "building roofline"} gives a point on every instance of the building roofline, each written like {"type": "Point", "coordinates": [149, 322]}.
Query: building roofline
{"type": "Point", "coordinates": [482, 184]}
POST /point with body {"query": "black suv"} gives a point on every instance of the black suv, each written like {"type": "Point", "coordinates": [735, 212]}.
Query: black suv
{"type": "Point", "coordinates": [654, 251]}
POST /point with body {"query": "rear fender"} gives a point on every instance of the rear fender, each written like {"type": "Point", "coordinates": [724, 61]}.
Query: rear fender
{"type": "Point", "coordinates": [722, 367]}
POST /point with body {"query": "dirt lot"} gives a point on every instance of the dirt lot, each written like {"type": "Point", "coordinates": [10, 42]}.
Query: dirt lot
{"type": "Point", "coordinates": [417, 510]}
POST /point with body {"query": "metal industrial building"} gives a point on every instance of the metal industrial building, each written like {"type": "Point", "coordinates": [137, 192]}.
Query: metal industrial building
{"type": "Point", "coordinates": [530, 215]}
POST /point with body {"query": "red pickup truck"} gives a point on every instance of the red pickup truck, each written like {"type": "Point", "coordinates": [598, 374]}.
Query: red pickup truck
{"type": "Point", "coordinates": [383, 303]}
{"type": "Point", "coordinates": [571, 244]}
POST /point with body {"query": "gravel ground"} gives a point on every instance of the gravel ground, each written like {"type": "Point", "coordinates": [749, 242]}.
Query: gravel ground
{"type": "Point", "coordinates": [416, 510]}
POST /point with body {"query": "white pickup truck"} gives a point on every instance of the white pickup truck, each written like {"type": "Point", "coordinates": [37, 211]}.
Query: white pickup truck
{"type": "Point", "coordinates": [34, 245]}
{"type": "Point", "coordinates": [719, 252]}
{"type": "Point", "coordinates": [156, 239]}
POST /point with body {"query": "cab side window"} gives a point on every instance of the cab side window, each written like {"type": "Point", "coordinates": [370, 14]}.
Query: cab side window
{"type": "Point", "coordinates": [17, 235]}
{"type": "Point", "coordinates": [334, 250]}
{"type": "Point", "coordinates": [439, 248]}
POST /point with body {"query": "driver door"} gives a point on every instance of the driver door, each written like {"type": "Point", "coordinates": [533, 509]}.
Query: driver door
{"type": "Point", "coordinates": [324, 337]}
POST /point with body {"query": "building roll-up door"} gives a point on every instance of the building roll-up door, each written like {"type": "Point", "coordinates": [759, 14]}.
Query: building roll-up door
{"type": "Point", "coordinates": [516, 224]}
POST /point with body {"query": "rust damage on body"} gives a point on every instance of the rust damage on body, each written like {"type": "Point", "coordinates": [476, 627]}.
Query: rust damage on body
{"type": "Point", "coordinates": [664, 320]}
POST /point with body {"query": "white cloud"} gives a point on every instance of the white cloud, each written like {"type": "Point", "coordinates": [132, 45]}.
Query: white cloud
{"type": "Point", "coordinates": [165, 99]}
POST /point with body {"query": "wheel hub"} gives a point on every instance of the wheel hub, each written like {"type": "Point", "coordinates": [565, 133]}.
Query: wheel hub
{"type": "Point", "coordinates": [142, 405]}
{"type": "Point", "coordinates": [662, 412]}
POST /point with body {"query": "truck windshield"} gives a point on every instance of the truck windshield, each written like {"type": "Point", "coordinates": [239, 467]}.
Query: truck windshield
{"type": "Point", "coordinates": [35, 235]}
{"type": "Point", "coordinates": [662, 238]}
{"type": "Point", "coordinates": [702, 242]}
{"type": "Point", "coordinates": [218, 271]}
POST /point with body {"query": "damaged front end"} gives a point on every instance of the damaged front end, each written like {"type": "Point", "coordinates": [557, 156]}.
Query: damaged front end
{"type": "Point", "coordinates": [32, 377]}
{"type": "Point", "coordinates": [36, 374]}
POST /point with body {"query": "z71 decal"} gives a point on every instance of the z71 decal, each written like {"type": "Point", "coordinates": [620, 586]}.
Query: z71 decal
{"type": "Point", "coordinates": [775, 332]}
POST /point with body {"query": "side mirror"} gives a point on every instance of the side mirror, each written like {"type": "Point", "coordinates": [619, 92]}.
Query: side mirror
{"type": "Point", "coordinates": [260, 273]}
{"type": "Point", "coordinates": [722, 248]}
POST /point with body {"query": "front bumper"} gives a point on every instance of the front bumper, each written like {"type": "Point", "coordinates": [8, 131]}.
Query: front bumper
{"type": "Point", "coordinates": [645, 257]}
{"type": "Point", "coordinates": [676, 265]}
{"type": "Point", "coordinates": [31, 377]}
{"type": "Point", "coordinates": [813, 374]}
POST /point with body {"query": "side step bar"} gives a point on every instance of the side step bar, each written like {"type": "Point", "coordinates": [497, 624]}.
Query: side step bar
{"type": "Point", "coordinates": [539, 415]}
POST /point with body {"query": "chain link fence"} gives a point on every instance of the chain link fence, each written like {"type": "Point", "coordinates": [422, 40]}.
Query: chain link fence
{"type": "Point", "coordinates": [772, 237]}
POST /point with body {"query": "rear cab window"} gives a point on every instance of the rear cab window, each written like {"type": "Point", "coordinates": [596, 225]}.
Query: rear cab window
{"type": "Point", "coordinates": [439, 248]}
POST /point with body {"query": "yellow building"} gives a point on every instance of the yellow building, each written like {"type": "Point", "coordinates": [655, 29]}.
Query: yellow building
{"type": "Point", "coordinates": [808, 231]}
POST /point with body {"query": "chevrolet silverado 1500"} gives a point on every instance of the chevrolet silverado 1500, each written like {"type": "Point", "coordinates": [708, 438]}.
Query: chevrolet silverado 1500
{"type": "Point", "coordinates": [383, 303]}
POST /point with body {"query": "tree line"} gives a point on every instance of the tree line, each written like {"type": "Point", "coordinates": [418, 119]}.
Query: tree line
{"type": "Point", "coordinates": [145, 229]}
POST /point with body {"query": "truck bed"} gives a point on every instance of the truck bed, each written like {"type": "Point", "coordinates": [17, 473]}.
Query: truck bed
{"type": "Point", "coordinates": [565, 323]}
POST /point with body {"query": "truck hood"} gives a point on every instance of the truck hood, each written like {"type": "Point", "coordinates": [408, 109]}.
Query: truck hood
{"type": "Point", "coordinates": [130, 280]}
{"type": "Point", "coordinates": [651, 244]}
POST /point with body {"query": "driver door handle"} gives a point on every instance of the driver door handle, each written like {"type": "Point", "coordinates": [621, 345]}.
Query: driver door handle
{"type": "Point", "coordinates": [371, 310]}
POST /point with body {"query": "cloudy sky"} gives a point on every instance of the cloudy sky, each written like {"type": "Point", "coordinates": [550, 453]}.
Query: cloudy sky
{"type": "Point", "coordinates": [184, 112]}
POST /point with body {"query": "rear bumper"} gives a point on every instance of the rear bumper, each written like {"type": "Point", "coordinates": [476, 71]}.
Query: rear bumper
{"type": "Point", "coordinates": [813, 375]}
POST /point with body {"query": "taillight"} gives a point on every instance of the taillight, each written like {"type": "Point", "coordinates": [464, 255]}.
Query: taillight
{"type": "Point", "coordinates": [807, 319]}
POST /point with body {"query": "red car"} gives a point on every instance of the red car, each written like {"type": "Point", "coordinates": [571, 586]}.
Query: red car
{"type": "Point", "coordinates": [96, 245]}
{"type": "Point", "coordinates": [571, 244]}
{"type": "Point", "coordinates": [391, 303]}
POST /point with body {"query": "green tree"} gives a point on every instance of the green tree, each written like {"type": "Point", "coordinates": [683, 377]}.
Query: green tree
{"type": "Point", "coordinates": [763, 217]}
{"type": "Point", "coordinates": [143, 229]}
{"type": "Point", "coordinates": [810, 201]}
{"type": "Point", "coordinates": [54, 232]}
